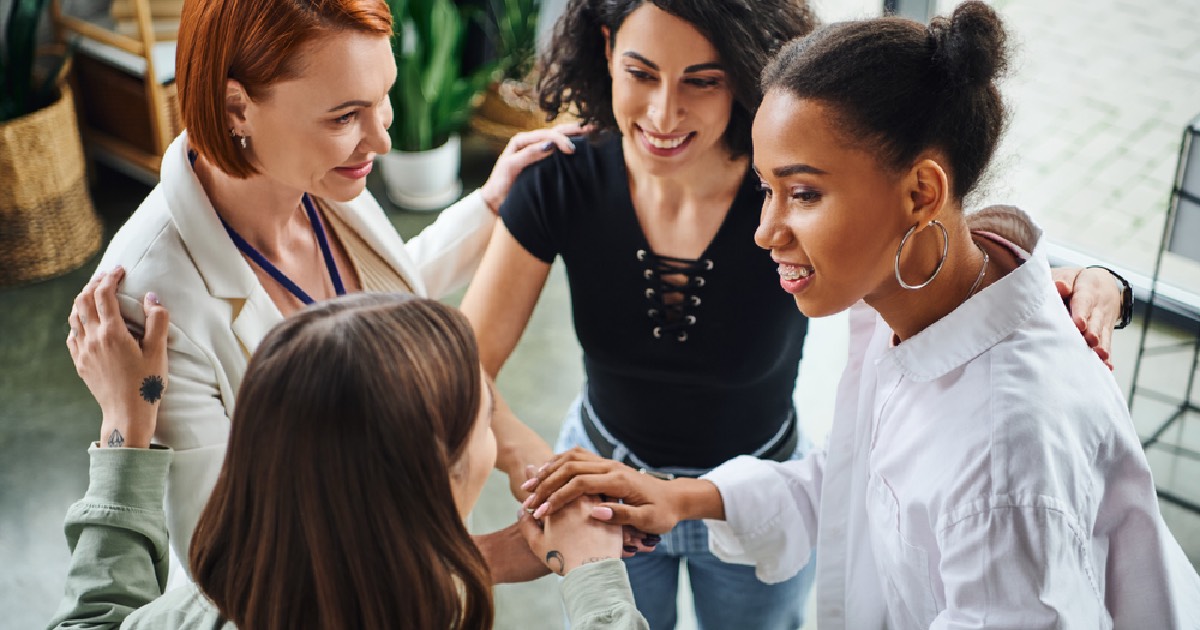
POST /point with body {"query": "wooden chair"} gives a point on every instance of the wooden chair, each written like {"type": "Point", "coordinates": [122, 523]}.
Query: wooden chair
{"type": "Point", "coordinates": [124, 71]}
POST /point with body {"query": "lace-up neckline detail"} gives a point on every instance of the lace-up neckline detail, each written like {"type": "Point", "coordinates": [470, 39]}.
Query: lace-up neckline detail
{"type": "Point", "coordinates": [673, 288]}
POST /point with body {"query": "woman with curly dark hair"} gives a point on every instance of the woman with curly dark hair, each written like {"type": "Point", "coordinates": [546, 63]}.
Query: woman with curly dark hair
{"type": "Point", "coordinates": [691, 352]}
{"type": "Point", "coordinates": [655, 217]}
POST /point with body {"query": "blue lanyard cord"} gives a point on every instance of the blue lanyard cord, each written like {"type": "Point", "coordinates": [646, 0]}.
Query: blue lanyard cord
{"type": "Point", "coordinates": [336, 277]}
{"type": "Point", "coordinates": [274, 272]}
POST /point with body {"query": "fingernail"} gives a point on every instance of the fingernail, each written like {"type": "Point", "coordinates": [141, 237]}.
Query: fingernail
{"type": "Point", "coordinates": [541, 511]}
{"type": "Point", "coordinates": [650, 543]}
{"type": "Point", "coordinates": [542, 469]}
{"type": "Point", "coordinates": [548, 145]}
{"type": "Point", "coordinates": [529, 484]}
{"type": "Point", "coordinates": [528, 503]}
{"type": "Point", "coordinates": [652, 539]}
{"type": "Point", "coordinates": [602, 513]}
{"type": "Point", "coordinates": [629, 548]}
{"type": "Point", "coordinates": [152, 297]}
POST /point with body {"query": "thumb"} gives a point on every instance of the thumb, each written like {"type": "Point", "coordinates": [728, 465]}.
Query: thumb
{"type": "Point", "coordinates": [157, 320]}
{"type": "Point", "coordinates": [1064, 289]}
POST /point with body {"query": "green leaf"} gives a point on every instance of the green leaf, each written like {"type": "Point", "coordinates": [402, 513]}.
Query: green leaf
{"type": "Point", "coordinates": [432, 99]}
{"type": "Point", "coordinates": [21, 39]}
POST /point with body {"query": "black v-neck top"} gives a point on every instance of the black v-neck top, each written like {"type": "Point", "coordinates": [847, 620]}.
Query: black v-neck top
{"type": "Point", "coordinates": [689, 384]}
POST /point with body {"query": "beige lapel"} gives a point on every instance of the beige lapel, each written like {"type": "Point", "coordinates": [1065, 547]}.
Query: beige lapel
{"type": "Point", "coordinates": [367, 219]}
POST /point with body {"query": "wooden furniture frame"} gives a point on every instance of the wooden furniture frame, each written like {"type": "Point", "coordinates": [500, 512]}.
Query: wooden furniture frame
{"type": "Point", "coordinates": [133, 30]}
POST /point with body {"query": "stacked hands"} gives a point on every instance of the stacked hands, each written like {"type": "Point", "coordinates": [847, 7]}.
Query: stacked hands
{"type": "Point", "coordinates": [580, 487]}
{"type": "Point", "coordinates": [580, 508]}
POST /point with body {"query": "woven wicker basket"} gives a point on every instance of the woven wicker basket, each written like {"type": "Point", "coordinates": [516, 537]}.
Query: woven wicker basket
{"type": "Point", "coordinates": [47, 223]}
{"type": "Point", "coordinates": [506, 109]}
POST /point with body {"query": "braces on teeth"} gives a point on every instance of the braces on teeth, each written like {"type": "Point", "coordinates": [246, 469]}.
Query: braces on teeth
{"type": "Point", "coordinates": [794, 273]}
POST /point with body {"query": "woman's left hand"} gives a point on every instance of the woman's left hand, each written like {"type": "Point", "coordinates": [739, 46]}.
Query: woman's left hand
{"type": "Point", "coordinates": [125, 377]}
{"type": "Point", "coordinates": [1094, 301]}
{"type": "Point", "coordinates": [571, 538]}
{"type": "Point", "coordinates": [524, 149]}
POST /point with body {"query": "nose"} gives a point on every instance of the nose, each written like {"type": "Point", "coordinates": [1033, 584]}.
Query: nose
{"type": "Point", "coordinates": [666, 109]}
{"type": "Point", "coordinates": [772, 233]}
{"type": "Point", "coordinates": [375, 131]}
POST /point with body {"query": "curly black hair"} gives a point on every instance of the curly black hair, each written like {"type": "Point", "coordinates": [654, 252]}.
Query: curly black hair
{"type": "Point", "coordinates": [745, 33]}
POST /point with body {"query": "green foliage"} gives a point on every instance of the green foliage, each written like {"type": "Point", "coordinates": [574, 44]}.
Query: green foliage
{"type": "Point", "coordinates": [515, 36]}
{"type": "Point", "coordinates": [19, 93]}
{"type": "Point", "coordinates": [432, 99]}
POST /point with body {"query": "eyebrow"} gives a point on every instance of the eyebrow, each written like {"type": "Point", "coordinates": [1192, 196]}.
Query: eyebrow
{"type": "Point", "coordinates": [700, 67]}
{"type": "Point", "coordinates": [796, 169]}
{"type": "Point", "coordinates": [349, 104]}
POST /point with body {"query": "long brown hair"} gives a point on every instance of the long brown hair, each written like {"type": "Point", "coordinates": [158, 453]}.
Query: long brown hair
{"type": "Point", "coordinates": [334, 507]}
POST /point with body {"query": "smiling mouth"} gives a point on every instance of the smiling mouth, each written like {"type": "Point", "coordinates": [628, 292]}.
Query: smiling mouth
{"type": "Point", "coordinates": [666, 143]}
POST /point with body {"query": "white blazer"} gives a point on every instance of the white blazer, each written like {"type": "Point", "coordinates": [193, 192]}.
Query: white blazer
{"type": "Point", "coordinates": [175, 246]}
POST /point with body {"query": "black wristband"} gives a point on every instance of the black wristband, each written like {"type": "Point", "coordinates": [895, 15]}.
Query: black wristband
{"type": "Point", "coordinates": [1126, 297]}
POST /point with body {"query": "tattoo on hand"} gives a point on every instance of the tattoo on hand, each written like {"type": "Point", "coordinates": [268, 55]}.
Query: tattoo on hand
{"type": "Point", "coordinates": [152, 389]}
{"type": "Point", "coordinates": [555, 561]}
{"type": "Point", "coordinates": [115, 439]}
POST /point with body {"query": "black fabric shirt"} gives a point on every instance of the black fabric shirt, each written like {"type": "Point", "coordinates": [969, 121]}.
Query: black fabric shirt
{"type": "Point", "coordinates": [691, 384]}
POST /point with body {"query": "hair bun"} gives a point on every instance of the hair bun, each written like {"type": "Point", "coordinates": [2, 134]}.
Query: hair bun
{"type": "Point", "coordinates": [970, 46]}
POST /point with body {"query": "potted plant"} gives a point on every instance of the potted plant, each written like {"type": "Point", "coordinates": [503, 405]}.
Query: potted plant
{"type": "Point", "coordinates": [47, 223]}
{"type": "Point", "coordinates": [432, 100]}
{"type": "Point", "coordinates": [510, 104]}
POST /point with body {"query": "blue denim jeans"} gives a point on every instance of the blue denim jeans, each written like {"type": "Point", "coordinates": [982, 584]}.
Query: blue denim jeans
{"type": "Point", "coordinates": [726, 596]}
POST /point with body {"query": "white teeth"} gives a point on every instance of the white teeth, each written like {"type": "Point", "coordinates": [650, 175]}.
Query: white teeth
{"type": "Point", "coordinates": [664, 144]}
{"type": "Point", "coordinates": [792, 272]}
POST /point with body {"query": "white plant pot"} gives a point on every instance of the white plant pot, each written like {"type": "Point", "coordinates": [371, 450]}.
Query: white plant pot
{"type": "Point", "coordinates": [423, 180]}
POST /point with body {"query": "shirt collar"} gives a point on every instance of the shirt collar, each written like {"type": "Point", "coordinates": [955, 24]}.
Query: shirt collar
{"type": "Point", "coordinates": [989, 316]}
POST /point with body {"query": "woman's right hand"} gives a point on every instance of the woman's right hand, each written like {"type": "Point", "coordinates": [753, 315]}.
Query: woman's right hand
{"type": "Point", "coordinates": [524, 149]}
{"type": "Point", "coordinates": [570, 537]}
{"type": "Point", "coordinates": [648, 503]}
{"type": "Point", "coordinates": [126, 378]}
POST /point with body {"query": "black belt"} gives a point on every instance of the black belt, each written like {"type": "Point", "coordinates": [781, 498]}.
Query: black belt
{"type": "Point", "coordinates": [781, 452]}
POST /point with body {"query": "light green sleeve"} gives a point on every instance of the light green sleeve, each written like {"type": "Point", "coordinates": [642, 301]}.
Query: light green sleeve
{"type": "Point", "coordinates": [598, 595]}
{"type": "Point", "coordinates": [118, 538]}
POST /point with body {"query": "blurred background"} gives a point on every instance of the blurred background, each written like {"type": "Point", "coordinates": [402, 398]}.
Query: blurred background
{"type": "Point", "coordinates": [1102, 94]}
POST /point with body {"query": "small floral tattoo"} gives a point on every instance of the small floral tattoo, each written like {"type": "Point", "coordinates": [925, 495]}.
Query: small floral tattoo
{"type": "Point", "coordinates": [115, 439]}
{"type": "Point", "coordinates": [152, 389]}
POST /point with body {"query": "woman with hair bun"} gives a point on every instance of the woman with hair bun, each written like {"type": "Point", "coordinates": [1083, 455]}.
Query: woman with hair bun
{"type": "Point", "coordinates": [690, 352]}
{"type": "Point", "coordinates": [982, 470]}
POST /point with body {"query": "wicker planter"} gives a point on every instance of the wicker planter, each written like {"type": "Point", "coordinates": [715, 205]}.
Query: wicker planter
{"type": "Point", "coordinates": [507, 108]}
{"type": "Point", "coordinates": [47, 224]}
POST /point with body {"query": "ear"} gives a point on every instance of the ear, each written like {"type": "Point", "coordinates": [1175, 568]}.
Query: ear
{"type": "Point", "coordinates": [927, 190]}
{"type": "Point", "coordinates": [237, 101]}
{"type": "Point", "coordinates": [607, 33]}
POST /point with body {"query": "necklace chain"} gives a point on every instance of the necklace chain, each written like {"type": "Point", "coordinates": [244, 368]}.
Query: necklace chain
{"type": "Point", "coordinates": [982, 270]}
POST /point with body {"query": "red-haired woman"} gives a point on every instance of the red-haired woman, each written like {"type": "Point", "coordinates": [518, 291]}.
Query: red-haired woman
{"type": "Point", "coordinates": [307, 526]}
{"type": "Point", "coordinates": [262, 209]}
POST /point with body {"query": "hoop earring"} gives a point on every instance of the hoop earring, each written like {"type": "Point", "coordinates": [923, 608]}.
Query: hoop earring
{"type": "Point", "coordinates": [945, 252]}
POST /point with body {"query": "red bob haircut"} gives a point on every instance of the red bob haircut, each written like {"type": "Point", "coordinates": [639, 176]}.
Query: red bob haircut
{"type": "Point", "coordinates": [257, 43]}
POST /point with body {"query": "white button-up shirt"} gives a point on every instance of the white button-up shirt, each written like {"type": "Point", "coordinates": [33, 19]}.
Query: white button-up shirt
{"type": "Point", "coordinates": [982, 474]}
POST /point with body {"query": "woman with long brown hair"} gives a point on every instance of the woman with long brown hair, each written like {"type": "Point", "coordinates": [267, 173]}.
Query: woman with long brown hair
{"type": "Point", "coordinates": [361, 439]}
{"type": "Point", "coordinates": [262, 209]}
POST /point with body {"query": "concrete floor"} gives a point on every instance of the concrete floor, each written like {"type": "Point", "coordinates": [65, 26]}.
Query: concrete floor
{"type": "Point", "coordinates": [47, 419]}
